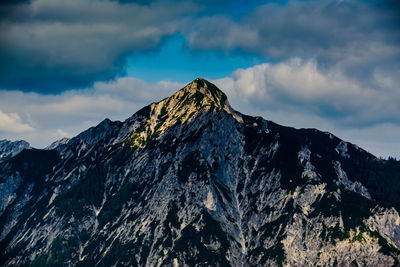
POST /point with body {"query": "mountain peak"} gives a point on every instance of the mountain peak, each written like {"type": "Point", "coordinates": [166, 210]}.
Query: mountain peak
{"type": "Point", "coordinates": [198, 96]}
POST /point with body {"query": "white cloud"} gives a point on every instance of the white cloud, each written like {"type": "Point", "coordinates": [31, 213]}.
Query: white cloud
{"type": "Point", "coordinates": [69, 113]}
{"type": "Point", "coordinates": [12, 122]}
{"type": "Point", "coordinates": [62, 133]}
{"type": "Point", "coordinates": [137, 90]}
{"type": "Point", "coordinates": [301, 85]}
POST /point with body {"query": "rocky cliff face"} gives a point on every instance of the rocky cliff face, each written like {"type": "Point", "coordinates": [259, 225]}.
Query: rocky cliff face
{"type": "Point", "coordinates": [188, 181]}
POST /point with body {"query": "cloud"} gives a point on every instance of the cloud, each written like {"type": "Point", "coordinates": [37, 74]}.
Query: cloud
{"type": "Point", "coordinates": [12, 123]}
{"type": "Point", "coordinates": [44, 118]}
{"type": "Point", "coordinates": [52, 45]}
{"type": "Point", "coordinates": [136, 90]}
{"type": "Point", "coordinates": [301, 86]}
{"type": "Point", "coordinates": [357, 36]}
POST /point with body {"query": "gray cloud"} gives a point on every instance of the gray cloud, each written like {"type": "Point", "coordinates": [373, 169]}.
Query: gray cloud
{"type": "Point", "coordinates": [357, 36]}
{"type": "Point", "coordinates": [51, 45]}
{"type": "Point", "coordinates": [56, 45]}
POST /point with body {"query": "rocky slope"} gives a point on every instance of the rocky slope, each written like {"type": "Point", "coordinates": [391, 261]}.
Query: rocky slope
{"type": "Point", "coordinates": [188, 181]}
{"type": "Point", "coordinates": [9, 149]}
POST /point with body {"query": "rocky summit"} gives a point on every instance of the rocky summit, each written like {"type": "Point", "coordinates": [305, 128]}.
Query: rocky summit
{"type": "Point", "coordinates": [189, 181]}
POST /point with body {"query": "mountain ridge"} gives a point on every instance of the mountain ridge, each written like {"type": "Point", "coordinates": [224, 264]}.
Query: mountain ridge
{"type": "Point", "coordinates": [219, 188]}
{"type": "Point", "coordinates": [9, 149]}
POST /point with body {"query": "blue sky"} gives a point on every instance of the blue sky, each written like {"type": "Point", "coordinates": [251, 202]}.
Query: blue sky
{"type": "Point", "coordinates": [332, 65]}
{"type": "Point", "coordinates": [175, 61]}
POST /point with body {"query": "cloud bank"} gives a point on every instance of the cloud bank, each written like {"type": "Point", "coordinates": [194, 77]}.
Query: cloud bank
{"type": "Point", "coordinates": [348, 32]}
{"type": "Point", "coordinates": [300, 85]}
{"type": "Point", "coordinates": [12, 123]}
{"type": "Point", "coordinates": [48, 46]}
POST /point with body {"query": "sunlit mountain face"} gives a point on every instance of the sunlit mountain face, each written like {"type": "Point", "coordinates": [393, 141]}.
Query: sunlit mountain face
{"type": "Point", "coordinates": [189, 181]}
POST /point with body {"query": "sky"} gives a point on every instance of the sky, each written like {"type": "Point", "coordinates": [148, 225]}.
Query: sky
{"type": "Point", "coordinates": [331, 65]}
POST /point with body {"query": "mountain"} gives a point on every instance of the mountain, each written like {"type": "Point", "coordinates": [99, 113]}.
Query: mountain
{"type": "Point", "coordinates": [57, 143]}
{"type": "Point", "coordinates": [9, 149]}
{"type": "Point", "coordinates": [188, 181]}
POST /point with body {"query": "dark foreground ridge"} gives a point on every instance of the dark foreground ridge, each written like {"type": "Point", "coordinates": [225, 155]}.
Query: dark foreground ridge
{"type": "Point", "coordinates": [189, 181]}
